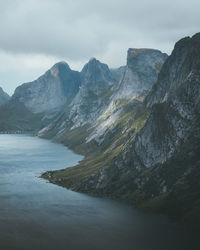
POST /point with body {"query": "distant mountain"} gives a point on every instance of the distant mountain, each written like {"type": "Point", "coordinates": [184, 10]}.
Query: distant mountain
{"type": "Point", "coordinates": [4, 97]}
{"type": "Point", "coordinates": [51, 90]}
{"type": "Point", "coordinates": [34, 104]}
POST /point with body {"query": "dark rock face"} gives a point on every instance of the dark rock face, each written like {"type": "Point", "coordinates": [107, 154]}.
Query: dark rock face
{"type": "Point", "coordinates": [183, 62]}
{"type": "Point", "coordinates": [4, 97]}
{"type": "Point", "coordinates": [175, 101]}
{"type": "Point", "coordinates": [51, 90]}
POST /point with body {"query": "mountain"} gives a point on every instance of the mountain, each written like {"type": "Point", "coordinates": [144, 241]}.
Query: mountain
{"type": "Point", "coordinates": [149, 152]}
{"type": "Point", "coordinates": [135, 81]}
{"type": "Point", "coordinates": [50, 91]}
{"type": "Point", "coordinates": [96, 88]}
{"type": "Point", "coordinates": [143, 66]}
{"type": "Point", "coordinates": [97, 84]}
{"type": "Point", "coordinates": [96, 105]}
{"type": "Point", "coordinates": [16, 118]}
{"type": "Point", "coordinates": [4, 97]}
{"type": "Point", "coordinates": [35, 104]}
{"type": "Point", "coordinates": [137, 126]}
{"type": "Point", "coordinates": [118, 73]}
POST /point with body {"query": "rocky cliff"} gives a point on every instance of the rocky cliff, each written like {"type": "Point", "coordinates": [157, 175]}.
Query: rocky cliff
{"type": "Point", "coordinates": [50, 91]}
{"type": "Point", "coordinates": [150, 155]}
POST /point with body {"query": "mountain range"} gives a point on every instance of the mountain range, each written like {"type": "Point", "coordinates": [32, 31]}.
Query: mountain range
{"type": "Point", "coordinates": [137, 126]}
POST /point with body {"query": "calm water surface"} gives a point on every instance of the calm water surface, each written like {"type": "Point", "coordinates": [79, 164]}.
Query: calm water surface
{"type": "Point", "coordinates": [35, 214]}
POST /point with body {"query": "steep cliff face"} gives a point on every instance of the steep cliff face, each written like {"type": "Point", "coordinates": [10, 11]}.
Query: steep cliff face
{"type": "Point", "coordinates": [50, 91]}
{"type": "Point", "coordinates": [143, 66]}
{"type": "Point", "coordinates": [4, 97]}
{"type": "Point", "coordinates": [175, 101]}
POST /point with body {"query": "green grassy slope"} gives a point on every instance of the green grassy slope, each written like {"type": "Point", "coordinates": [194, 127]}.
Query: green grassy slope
{"type": "Point", "coordinates": [118, 136]}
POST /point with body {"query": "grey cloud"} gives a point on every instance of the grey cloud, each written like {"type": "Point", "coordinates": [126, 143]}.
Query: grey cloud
{"type": "Point", "coordinates": [83, 28]}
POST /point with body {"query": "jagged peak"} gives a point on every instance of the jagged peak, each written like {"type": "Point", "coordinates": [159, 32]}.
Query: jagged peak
{"type": "Point", "coordinates": [61, 64]}
{"type": "Point", "coordinates": [59, 67]}
{"type": "Point", "coordinates": [93, 62]}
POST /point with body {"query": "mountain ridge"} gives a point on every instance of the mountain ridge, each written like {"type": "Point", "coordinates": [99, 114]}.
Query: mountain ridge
{"type": "Point", "coordinates": [135, 125]}
{"type": "Point", "coordinates": [138, 156]}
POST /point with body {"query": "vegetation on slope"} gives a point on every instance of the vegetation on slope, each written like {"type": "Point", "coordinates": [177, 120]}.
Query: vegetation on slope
{"type": "Point", "coordinates": [99, 156]}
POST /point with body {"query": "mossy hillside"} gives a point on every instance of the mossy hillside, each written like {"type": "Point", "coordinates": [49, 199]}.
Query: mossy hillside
{"type": "Point", "coordinates": [131, 119]}
{"type": "Point", "coordinates": [98, 156]}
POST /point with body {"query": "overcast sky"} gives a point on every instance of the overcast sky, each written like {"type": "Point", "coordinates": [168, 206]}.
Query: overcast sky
{"type": "Point", "coordinates": [35, 34]}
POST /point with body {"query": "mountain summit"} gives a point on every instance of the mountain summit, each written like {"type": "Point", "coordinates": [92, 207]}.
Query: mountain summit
{"type": "Point", "coordinates": [51, 90]}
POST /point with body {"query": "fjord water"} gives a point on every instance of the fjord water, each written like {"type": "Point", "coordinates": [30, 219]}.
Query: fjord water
{"type": "Point", "coordinates": [35, 214]}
